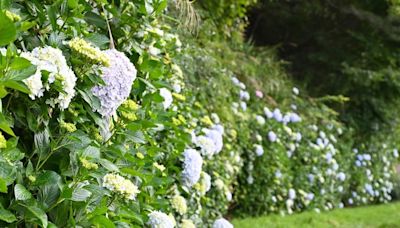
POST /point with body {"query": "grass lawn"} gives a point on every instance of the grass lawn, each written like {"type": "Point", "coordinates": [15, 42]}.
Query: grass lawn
{"type": "Point", "coordinates": [382, 216]}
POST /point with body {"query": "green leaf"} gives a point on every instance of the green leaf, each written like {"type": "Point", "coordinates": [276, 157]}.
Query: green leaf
{"type": "Point", "coordinates": [96, 20]}
{"type": "Point", "coordinates": [19, 63]}
{"type": "Point", "coordinates": [48, 178]}
{"type": "Point", "coordinates": [20, 72]}
{"type": "Point", "coordinates": [5, 125]}
{"type": "Point", "coordinates": [51, 12]}
{"type": "Point", "coordinates": [20, 86]}
{"type": "Point", "coordinates": [91, 152]}
{"type": "Point", "coordinates": [38, 213]}
{"type": "Point", "coordinates": [3, 185]}
{"type": "Point", "coordinates": [102, 222]}
{"type": "Point", "coordinates": [6, 215]}
{"type": "Point", "coordinates": [100, 40]}
{"type": "Point", "coordinates": [136, 136]}
{"type": "Point", "coordinates": [21, 193]}
{"type": "Point", "coordinates": [92, 100]}
{"type": "Point", "coordinates": [80, 194]}
{"type": "Point", "coordinates": [73, 4]}
{"type": "Point", "coordinates": [109, 165]}
{"type": "Point", "coordinates": [3, 92]}
{"type": "Point", "coordinates": [8, 32]}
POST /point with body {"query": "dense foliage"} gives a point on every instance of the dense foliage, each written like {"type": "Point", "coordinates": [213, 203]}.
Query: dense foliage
{"type": "Point", "coordinates": [123, 114]}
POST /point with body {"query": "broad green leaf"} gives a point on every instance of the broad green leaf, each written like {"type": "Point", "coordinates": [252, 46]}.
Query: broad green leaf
{"type": "Point", "coordinates": [20, 86]}
{"type": "Point", "coordinates": [3, 185]}
{"type": "Point", "coordinates": [100, 40]}
{"type": "Point", "coordinates": [51, 13]}
{"type": "Point", "coordinates": [73, 3]}
{"type": "Point", "coordinates": [91, 152]}
{"type": "Point", "coordinates": [48, 178]}
{"type": "Point", "coordinates": [80, 194]}
{"type": "Point", "coordinates": [20, 72]}
{"type": "Point", "coordinates": [95, 19]}
{"type": "Point", "coordinates": [3, 92]}
{"type": "Point", "coordinates": [92, 100]}
{"type": "Point", "coordinates": [5, 125]}
{"type": "Point", "coordinates": [38, 213]}
{"type": "Point", "coordinates": [136, 136]}
{"type": "Point", "coordinates": [19, 63]}
{"type": "Point", "coordinates": [21, 193]}
{"type": "Point", "coordinates": [8, 31]}
{"type": "Point", "coordinates": [108, 165]}
{"type": "Point", "coordinates": [6, 215]}
{"type": "Point", "coordinates": [102, 222]}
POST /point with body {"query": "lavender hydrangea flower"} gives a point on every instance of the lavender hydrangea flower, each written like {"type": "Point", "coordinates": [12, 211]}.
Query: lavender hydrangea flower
{"type": "Point", "coordinates": [341, 176]}
{"type": "Point", "coordinates": [259, 150]}
{"type": "Point", "coordinates": [158, 219]}
{"type": "Point", "coordinates": [222, 223]}
{"type": "Point", "coordinates": [268, 113]}
{"type": "Point", "coordinates": [118, 78]}
{"type": "Point", "coordinates": [192, 165]}
{"type": "Point", "coordinates": [278, 115]}
{"type": "Point", "coordinates": [272, 136]}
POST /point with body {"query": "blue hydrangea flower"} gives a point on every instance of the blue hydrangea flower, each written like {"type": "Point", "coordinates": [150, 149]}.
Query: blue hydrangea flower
{"type": "Point", "coordinates": [118, 78]}
{"type": "Point", "coordinates": [192, 166]}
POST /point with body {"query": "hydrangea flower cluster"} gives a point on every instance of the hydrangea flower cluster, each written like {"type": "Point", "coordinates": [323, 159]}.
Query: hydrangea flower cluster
{"type": "Point", "coordinates": [51, 61]}
{"type": "Point", "coordinates": [118, 78]}
{"type": "Point", "coordinates": [159, 219]}
{"type": "Point", "coordinates": [212, 142]}
{"type": "Point", "coordinates": [118, 184]}
{"type": "Point", "coordinates": [167, 96]}
{"type": "Point", "coordinates": [179, 204]}
{"type": "Point", "coordinates": [222, 223]}
{"type": "Point", "coordinates": [192, 166]}
{"type": "Point", "coordinates": [90, 51]}
{"type": "Point", "coordinates": [187, 223]}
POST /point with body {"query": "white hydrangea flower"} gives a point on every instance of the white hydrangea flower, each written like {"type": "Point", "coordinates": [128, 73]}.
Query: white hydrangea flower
{"type": "Point", "coordinates": [166, 94]}
{"type": "Point", "coordinates": [260, 120]}
{"type": "Point", "coordinates": [222, 223]}
{"type": "Point", "coordinates": [117, 183]}
{"type": "Point", "coordinates": [187, 223]}
{"type": "Point", "coordinates": [250, 179]}
{"type": "Point", "coordinates": [35, 85]}
{"type": "Point", "coordinates": [215, 118]}
{"type": "Point", "coordinates": [118, 78]}
{"type": "Point", "coordinates": [216, 136]}
{"type": "Point", "coordinates": [244, 95]}
{"type": "Point", "coordinates": [179, 204]}
{"type": "Point", "coordinates": [268, 113]}
{"type": "Point", "coordinates": [228, 195]}
{"type": "Point", "coordinates": [219, 184]}
{"type": "Point", "coordinates": [191, 167]}
{"type": "Point", "coordinates": [51, 60]}
{"type": "Point", "coordinates": [295, 91]}
{"type": "Point", "coordinates": [292, 194]}
{"type": "Point", "coordinates": [341, 176]}
{"type": "Point", "coordinates": [205, 182]}
{"type": "Point", "coordinates": [3, 51]}
{"type": "Point", "coordinates": [259, 149]}
{"type": "Point", "coordinates": [158, 219]}
{"type": "Point", "coordinates": [206, 144]}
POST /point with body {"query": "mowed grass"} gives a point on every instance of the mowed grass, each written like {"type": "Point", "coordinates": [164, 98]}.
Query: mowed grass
{"type": "Point", "coordinates": [382, 216]}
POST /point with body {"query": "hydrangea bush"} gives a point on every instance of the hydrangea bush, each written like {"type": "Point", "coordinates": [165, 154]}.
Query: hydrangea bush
{"type": "Point", "coordinates": [108, 119]}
